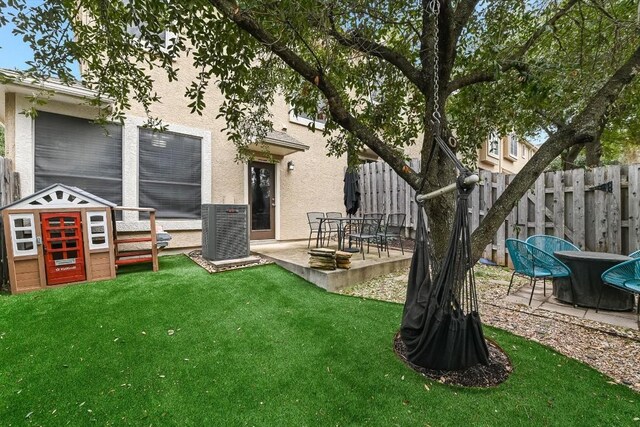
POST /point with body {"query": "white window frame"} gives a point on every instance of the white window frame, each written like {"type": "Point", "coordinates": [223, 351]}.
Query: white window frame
{"type": "Point", "coordinates": [102, 223]}
{"type": "Point", "coordinates": [33, 239]}
{"type": "Point", "coordinates": [513, 139]}
{"type": "Point", "coordinates": [202, 171]}
{"type": "Point", "coordinates": [493, 137]}
{"type": "Point", "coordinates": [305, 120]}
{"type": "Point", "coordinates": [130, 219]}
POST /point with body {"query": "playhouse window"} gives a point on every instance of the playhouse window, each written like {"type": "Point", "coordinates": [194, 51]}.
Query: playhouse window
{"type": "Point", "coordinates": [24, 234]}
{"type": "Point", "coordinates": [97, 230]}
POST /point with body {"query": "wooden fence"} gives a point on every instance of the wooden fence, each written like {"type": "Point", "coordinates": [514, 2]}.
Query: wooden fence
{"type": "Point", "coordinates": [9, 193]}
{"type": "Point", "coordinates": [563, 204]}
{"type": "Point", "coordinates": [10, 185]}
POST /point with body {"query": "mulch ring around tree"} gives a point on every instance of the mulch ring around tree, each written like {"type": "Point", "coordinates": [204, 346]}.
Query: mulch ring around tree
{"type": "Point", "coordinates": [491, 375]}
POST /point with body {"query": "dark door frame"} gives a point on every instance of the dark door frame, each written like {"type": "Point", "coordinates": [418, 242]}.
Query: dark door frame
{"type": "Point", "coordinates": [270, 233]}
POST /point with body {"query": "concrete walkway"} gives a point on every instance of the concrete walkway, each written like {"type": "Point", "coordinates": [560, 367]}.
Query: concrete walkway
{"type": "Point", "coordinates": [293, 256]}
{"type": "Point", "coordinates": [627, 319]}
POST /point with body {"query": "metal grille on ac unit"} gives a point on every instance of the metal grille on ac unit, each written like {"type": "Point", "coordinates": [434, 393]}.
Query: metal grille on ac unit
{"type": "Point", "coordinates": [225, 231]}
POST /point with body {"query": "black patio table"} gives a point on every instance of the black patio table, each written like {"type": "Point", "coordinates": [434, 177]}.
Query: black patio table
{"type": "Point", "coordinates": [584, 285]}
{"type": "Point", "coordinates": [339, 220]}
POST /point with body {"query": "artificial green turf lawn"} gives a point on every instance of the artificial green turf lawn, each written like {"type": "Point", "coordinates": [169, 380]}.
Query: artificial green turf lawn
{"type": "Point", "coordinates": [258, 346]}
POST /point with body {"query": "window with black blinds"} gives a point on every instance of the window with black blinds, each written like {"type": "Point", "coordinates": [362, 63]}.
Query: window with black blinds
{"type": "Point", "coordinates": [78, 153]}
{"type": "Point", "coordinates": [170, 174]}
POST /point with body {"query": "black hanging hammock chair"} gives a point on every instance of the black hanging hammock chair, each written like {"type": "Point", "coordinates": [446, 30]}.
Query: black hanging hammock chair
{"type": "Point", "coordinates": [441, 326]}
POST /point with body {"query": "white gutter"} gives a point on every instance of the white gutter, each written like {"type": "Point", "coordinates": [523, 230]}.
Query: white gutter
{"type": "Point", "coordinates": [54, 85]}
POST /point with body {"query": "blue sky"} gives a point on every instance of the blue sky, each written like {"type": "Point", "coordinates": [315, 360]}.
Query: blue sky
{"type": "Point", "coordinates": [14, 53]}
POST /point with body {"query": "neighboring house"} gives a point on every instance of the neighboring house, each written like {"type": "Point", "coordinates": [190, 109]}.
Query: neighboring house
{"type": "Point", "coordinates": [175, 171]}
{"type": "Point", "coordinates": [506, 154]}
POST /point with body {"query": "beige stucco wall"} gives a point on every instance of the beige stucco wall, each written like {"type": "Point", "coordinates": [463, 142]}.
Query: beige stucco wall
{"type": "Point", "coordinates": [314, 185]}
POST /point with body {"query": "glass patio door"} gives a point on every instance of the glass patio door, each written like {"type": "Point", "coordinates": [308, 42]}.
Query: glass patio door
{"type": "Point", "coordinates": [262, 200]}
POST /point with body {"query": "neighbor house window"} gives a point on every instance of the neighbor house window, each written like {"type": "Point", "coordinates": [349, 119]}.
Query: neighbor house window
{"type": "Point", "coordinates": [78, 153]}
{"type": "Point", "coordinates": [318, 120]}
{"type": "Point", "coordinates": [493, 147]}
{"type": "Point", "coordinates": [170, 174]}
{"type": "Point", "coordinates": [23, 231]}
{"type": "Point", "coordinates": [513, 146]}
{"type": "Point", "coordinates": [166, 36]}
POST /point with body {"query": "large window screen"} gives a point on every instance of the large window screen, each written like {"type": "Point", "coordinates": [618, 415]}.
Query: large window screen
{"type": "Point", "coordinates": [78, 153]}
{"type": "Point", "coordinates": [170, 174]}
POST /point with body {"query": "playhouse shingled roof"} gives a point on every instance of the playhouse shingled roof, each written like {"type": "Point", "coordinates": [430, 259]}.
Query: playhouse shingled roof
{"type": "Point", "coordinates": [78, 195]}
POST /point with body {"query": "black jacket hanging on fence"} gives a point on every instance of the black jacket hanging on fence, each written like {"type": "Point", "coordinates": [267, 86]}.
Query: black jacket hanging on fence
{"type": "Point", "coordinates": [440, 324]}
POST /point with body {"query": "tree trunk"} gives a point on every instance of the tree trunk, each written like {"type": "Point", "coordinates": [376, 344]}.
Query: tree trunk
{"type": "Point", "coordinates": [593, 149]}
{"type": "Point", "coordinates": [569, 157]}
{"type": "Point", "coordinates": [438, 172]}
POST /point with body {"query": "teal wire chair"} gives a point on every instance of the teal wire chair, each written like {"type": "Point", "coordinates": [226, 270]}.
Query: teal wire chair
{"type": "Point", "coordinates": [635, 254]}
{"type": "Point", "coordinates": [534, 263]}
{"type": "Point", "coordinates": [551, 244]}
{"type": "Point", "coordinates": [624, 276]}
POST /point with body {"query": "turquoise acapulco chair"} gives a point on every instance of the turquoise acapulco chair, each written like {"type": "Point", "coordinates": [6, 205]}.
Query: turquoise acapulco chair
{"type": "Point", "coordinates": [624, 276]}
{"type": "Point", "coordinates": [534, 263]}
{"type": "Point", "coordinates": [551, 244]}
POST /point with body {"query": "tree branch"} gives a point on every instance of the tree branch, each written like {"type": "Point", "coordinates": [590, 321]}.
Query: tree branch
{"type": "Point", "coordinates": [426, 40]}
{"type": "Point", "coordinates": [583, 129]}
{"type": "Point", "coordinates": [361, 44]}
{"type": "Point", "coordinates": [555, 121]}
{"type": "Point", "coordinates": [461, 16]}
{"type": "Point", "coordinates": [245, 21]}
{"type": "Point", "coordinates": [514, 61]}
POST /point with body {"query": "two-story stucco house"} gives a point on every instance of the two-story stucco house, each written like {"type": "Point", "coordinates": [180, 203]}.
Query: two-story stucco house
{"type": "Point", "coordinates": [175, 171]}
{"type": "Point", "coordinates": [507, 154]}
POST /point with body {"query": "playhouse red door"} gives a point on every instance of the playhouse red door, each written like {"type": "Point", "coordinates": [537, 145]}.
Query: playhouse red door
{"type": "Point", "coordinates": [63, 247]}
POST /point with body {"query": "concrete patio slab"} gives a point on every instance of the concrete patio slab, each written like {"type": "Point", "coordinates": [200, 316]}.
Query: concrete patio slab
{"type": "Point", "coordinates": [293, 256]}
{"type": "Point", "coordinates": [627, 319]}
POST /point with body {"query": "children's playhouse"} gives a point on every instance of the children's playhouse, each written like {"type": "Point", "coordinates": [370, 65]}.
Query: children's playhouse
{"type": "Point", "coordinates": [57, 236]}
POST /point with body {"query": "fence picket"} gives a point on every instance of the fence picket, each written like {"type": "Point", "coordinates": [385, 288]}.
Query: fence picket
{"type": "Point", "coordinates": [540, 205]}
{"type": "Point", "coordinates": [601, 212]}
{"type": "Point", "coordinates": [634, 208]}
{"type": "Point", "coordinates": [500, 235]}
{"type": "Point", "coordinates": [486, 203]}
{"type": "Point", "coordinates": [613, 221]}
{"type": "Point", "coordinates": [577, 185]}
{"type": "Point", "coordinates": [558, 204]}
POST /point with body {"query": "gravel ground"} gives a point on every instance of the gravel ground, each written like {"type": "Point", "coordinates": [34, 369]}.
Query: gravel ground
{"type": "Point", "coordinates": [614, 351]}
